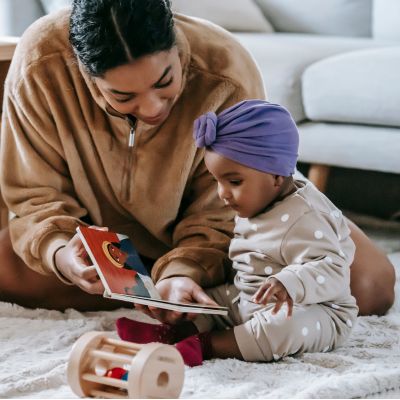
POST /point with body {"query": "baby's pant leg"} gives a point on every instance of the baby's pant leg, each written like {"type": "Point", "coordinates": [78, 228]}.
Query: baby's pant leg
{"type": "Point", "coordinates": [225, 295]}
{"type": "Point", "coordinates": [267, 337]}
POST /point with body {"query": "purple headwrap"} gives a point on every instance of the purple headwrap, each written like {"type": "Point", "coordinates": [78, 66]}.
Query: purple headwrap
{"type": "Point", "coordinates": [254, 133]}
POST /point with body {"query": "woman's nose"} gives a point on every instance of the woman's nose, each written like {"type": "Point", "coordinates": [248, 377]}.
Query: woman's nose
{"type": "Point", "coordinates": [150, 106]}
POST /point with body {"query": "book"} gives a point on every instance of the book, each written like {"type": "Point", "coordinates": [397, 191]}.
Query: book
{"type": "Point", "coordinates": [124, 275]}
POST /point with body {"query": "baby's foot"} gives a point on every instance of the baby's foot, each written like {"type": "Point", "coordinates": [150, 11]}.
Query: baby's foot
{"type": "Point", "coordinates": [142, 332]}
{"type": "Point", "coordinates": [195, 349]}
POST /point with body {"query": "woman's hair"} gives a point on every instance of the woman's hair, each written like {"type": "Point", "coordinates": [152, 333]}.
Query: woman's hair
{"type": "Point", "coordinates": [108, 33]}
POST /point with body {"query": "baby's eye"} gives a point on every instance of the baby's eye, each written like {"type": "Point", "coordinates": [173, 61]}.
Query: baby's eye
{"type": "Point", "coordinates": [235, 182]}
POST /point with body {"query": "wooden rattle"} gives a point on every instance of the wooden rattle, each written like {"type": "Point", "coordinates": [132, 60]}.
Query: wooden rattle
{"type": "Point", "coordinates": [100, 366]}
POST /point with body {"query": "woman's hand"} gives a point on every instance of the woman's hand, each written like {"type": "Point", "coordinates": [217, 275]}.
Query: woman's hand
{"type": "Point", "coordinates": [74, 264]}
{"type": "Point", "coordinates": [177, 289]}
{"type": "Point", "coordinates": [273, 290]}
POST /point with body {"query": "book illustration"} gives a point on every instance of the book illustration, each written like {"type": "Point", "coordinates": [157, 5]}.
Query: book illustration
{"type": "Point", "coordinates": [124, 275]}
{"type": "Point", "coordinates": [118, 263]}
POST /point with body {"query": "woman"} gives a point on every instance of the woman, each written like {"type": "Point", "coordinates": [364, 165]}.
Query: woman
{"type": "Point", "coordinates": [98, 114]}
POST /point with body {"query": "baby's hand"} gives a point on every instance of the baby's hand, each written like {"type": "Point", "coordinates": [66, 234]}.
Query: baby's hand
{"type": "Point", "coordinates": [271, 289]}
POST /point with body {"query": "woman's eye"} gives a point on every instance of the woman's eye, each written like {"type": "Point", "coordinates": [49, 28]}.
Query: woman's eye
{"type": "Point", "coordinates": [123, 100]}
{"type": "Point", "coordinates": [164, 85]}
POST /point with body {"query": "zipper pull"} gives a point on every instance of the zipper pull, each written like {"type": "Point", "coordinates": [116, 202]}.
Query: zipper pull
{"type": "Point", "coordinates": [131, 137]}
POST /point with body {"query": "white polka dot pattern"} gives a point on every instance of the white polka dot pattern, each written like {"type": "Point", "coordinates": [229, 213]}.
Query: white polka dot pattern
{"type": "Point", "coordinates": [318, 235]}
{"type": "Point", "coordinates": [284, 217]}
{"type": "Point", "coordinates": [336, 213]}
{"type": "Point", "coordinates": [304, 331]}
{"type": "Point", "coordinates": [349, 323]}
{"type": "Point", "coordinates": [320, 279]}
{"type": "Point", "coordinates": [268, 270]}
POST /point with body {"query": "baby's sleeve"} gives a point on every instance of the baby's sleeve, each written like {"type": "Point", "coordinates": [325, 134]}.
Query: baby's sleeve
{"type": "Point", "coordinates": [318, 252]}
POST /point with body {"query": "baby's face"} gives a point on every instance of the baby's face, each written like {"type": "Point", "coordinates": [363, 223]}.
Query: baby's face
{"type": "Point", "coordinates": [246, 190]}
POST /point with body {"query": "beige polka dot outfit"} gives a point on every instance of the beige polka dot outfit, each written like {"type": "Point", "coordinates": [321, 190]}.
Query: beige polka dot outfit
{"type": "Point", "coordinates": [303, 241]}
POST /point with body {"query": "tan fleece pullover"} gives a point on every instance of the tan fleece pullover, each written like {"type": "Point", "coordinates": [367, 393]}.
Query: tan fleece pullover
{"type": "Point", "coordinates": [65, 156]}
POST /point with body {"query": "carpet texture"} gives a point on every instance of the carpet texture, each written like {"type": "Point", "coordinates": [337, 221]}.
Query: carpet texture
{"type": "Point", "coordinates": [34, 347]}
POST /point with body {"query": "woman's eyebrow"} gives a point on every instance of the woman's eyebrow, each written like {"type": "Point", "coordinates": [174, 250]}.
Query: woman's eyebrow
{"type": "Point", "coordinates": [166, 71]}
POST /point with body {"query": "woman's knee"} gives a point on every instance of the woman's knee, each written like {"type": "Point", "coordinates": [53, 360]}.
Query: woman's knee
{"type": "Point", "coordinates": [372, 275]}
{"type": "Point", "coordinates": [373, 296]}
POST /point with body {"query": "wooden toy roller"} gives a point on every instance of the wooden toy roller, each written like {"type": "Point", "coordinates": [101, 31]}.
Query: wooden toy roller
{"type": "Point", "coordinates": [152, 370]}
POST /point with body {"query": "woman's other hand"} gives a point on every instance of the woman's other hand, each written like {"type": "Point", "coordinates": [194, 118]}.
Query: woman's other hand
{"type": "Point", "coordinates": [74, 264]}
{"type": "Point", "coordinates": [176, 289]}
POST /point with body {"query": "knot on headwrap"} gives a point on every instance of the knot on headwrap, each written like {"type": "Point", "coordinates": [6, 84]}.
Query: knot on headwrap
{"type": "Point", "coordinates": [254, 133]}
{"type": "Point", "coordinates": [206, 129]}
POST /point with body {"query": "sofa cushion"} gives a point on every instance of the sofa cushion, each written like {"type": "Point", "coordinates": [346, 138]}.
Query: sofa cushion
{"type": "Point", "coordinates": [55, 5]}
{"type": "Point", "coordinates": [17, 15]}
{"type": "Point", "coordinates": [358, 87]}
{"type": "Point", "coordinates": [333, 17]}
{"type": "Point", "coordinates": [234, 15]}
{"type": "Point", "coordinates": [283, 58]}
{"type": "Point", "coordinates": [371, 148]}
{"type": "Point", "coordinates": [386, 19]}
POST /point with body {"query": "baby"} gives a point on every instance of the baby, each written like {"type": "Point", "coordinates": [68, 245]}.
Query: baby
{"type": "Point", "coordinates": [291, 250]}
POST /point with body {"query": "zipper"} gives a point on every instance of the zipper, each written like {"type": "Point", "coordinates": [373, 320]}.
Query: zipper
{"type": "Point", "coordinates": [127, 174]}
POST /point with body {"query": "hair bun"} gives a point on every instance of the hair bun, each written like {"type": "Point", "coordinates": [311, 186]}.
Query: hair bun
{"type": "Point", "coordinates": [205, 129]}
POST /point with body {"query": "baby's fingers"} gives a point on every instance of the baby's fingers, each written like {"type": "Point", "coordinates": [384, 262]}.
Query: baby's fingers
{"type": "Point", "coordinates": [290, 307]}
{"type": "Point", "coordinates": [269, 295]}
{"type": "Point", "coordinates": [277, 307]}
{"type": "Point", "coordinates": [260, 292]}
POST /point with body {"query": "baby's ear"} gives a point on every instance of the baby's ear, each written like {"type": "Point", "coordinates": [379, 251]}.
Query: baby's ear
{"type": "Point", "coordinates": [279, 180]}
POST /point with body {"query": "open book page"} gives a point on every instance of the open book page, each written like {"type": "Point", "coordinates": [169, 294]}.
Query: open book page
{"type": "Point", "coordinates": [124, 275]}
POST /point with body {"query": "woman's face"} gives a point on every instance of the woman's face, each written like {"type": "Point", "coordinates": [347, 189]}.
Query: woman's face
{"type": "Point", "coordinates": [145, 88]}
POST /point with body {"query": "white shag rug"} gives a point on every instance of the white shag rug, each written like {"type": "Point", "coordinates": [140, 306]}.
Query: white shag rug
{"type": "Point", "coordinates": [34, 347]}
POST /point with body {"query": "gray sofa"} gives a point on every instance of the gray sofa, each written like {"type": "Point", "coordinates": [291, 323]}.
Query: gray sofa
{"type": "Point", "coordinates": [333, 63]}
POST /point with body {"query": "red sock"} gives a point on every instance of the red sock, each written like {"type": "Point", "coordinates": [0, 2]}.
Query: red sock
{"type": "Point", "coordinates": [195, 349]}
{"type": "Point", "coordinates": [142, 332]}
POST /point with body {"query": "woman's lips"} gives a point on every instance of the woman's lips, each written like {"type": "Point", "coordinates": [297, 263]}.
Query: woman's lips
{"type": "Point", "coordinates": [157, 119]}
